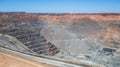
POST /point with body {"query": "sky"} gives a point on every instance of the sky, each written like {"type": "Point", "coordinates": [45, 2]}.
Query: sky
{"type": "Point", "coordinates": [60, 6]}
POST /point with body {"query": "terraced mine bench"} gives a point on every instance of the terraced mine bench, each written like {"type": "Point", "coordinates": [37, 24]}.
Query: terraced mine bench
{"type": "Point", "coordinates": [32, 40]}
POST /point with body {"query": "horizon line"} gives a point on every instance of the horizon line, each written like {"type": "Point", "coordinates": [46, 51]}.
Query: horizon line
{"type": "Point", "coordinates": [59, 12]}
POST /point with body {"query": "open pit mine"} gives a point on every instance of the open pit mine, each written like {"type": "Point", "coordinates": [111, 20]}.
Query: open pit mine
{"type": "Point", "coordinates": [59, 40]}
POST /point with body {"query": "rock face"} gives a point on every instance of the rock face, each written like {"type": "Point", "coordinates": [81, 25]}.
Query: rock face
{"type": "Point", "coordinates": [112, 35]}
{"type": "Point", "coordinates": [90, 37]}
